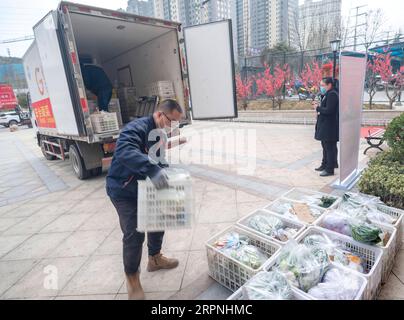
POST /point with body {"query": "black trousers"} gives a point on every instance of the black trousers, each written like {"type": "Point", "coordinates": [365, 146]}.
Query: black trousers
{"type": "Point", "coordinates": [330, 155]}
{"type": "Point", "coordinates": [132, 239]}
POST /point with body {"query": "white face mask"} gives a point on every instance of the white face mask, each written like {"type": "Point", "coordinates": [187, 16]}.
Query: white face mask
{"type": "Point", "coordinates": [174, 126]}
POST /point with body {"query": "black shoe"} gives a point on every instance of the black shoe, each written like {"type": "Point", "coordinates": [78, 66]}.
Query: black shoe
{"type": "Point", "coordinates": [326, 174]}
{"type": "Point", "coordinates": [320, 168]}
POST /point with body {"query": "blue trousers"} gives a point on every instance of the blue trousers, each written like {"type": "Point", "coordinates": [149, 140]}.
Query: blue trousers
{"type": "Point", "coordinates": [133, 240]}
{"type": "Point", "coordinates": [104, 98]}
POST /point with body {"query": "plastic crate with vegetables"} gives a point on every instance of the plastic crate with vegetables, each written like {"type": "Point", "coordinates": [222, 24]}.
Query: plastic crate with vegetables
{"type": "Point", "coordinates": [268, 286]}
{"type": "Point", "coordinates": [357, 226]}
{"type": "Point", "coordinates": [313, 198]}
{"type": "Point", "coordinates": [235, 255]}
{"type": "Point", "coordinates": [272, 226]}
{"type": "Point", "coordinates": [344, 251]}
{"type": "Point", "coordinates": [374, 210]}
{"type": "Point", "coordinates": [309, 269]}
{"type": "Point", "coordinates": [165, 209]}
{"type": "Point", "coordinates": [296, 210]}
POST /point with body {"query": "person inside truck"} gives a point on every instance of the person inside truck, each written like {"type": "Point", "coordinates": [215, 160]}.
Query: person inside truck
{"type": "Point", "coordinates": [133, 161]}
{"type": "Point", "coordinates": [96, 80]}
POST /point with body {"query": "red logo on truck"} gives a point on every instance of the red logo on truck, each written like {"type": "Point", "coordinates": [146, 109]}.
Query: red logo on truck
{"type": "Point", "coordinates": [43, 114]}
{"type": "Point", "coordinates": [39, 81]}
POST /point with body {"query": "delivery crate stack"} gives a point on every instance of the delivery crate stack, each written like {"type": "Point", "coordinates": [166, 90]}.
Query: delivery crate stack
{"type": "Point", "coordinates": [162, 89]}
{"type": "Point", "coordinates": [286, 251]}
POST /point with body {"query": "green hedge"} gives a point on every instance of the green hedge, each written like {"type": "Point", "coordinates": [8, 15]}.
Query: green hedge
{"type": "Point", "coordinates": [384, 176]}
{"type": "Point", "coordinates": [394, 136]}
{"type": "Point", "coordinates": [385, 181]}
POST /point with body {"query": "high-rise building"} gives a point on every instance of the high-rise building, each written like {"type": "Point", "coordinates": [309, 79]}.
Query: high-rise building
{"type": "Point", "coordinates": [188, 12]}
{"type": "Point", "coordinates": [260, 24]}
{"type": "Point", "coordinates": [215, 10]}
{"type": "Point", "coordinates": [141, 7]}
{"type": "Point", "coordinates": [162, 9]}
{"type": "Point", "coordinates": [319, 23]}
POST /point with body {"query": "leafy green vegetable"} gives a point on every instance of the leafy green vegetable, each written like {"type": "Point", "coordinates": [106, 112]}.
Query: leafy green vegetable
{"type": "Point", "coordinates": [366, 233]}
{"type": "Point", "coordinates": [327, 202]}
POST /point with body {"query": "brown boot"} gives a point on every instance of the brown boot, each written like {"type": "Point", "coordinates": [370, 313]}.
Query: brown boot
{"type": "Point", "coordinates": [134, 287]}
{"type": "Point", "coordinates": [158, 262]}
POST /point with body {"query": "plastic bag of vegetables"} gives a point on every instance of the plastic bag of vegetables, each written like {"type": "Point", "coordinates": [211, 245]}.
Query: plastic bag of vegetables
{"type": "Point", "coordinates": [334, 253]}
{"type": "Point", "coordinates": [366, 232]}
{"type": "Point", "coordinates": [337, 222]}
{"type": "Point", "coordinates": [265, 224]}
{"type": "Point", "coordinates": [300, 265]}
{"type": "Point", "coordinates": [318, 240]}
{"type": "Point", "coordinates": [267, 286]}
{"type": "Point", "coordinates": [355, 200]}
{"type": "Point", "coordinates": [336, 285]}
{"type": "Point", "coordinates": [374, 215]}
{"type": "Point", "coordinates": [283, 208]}
{"type": "Point", "coordinates": [231, 240]}
{"type": "Point", "coordinates": [249, 255]}
{"type": "Point", "coordinates": [320, 200]}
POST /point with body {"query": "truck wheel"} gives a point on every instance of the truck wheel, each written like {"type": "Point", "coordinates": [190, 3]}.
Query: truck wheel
{"type": "Point", "coordinates": [47, 156]}
{"type": "Point", "coordinates": [78, 164]}
{"type": "Point", "coordinates": [96, 171]}
{"type": "Point", "coordinates": [13, 123]}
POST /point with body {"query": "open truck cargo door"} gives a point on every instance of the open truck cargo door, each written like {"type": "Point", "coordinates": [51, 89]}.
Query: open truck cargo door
{"type": "Point", "coordinates": [54, 72]}
{"type": "Point", "coordinates": [209, 53]}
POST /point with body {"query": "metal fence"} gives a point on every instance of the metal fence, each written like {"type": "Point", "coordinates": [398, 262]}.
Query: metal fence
{"type": "Point", "coordinates": [252, 65]}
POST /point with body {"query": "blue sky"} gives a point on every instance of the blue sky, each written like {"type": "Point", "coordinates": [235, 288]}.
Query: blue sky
{"type": "Point", "coordinates": [18, 16]}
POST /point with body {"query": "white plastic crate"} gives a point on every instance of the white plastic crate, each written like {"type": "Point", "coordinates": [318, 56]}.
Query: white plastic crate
{"type": "Point", "coordinates": [297, 294]}
{"type": "Point", "coordinates": [104, 122]}
{"type": "Point", "coordinates": [230, 272]}
{"type": "Point", "coordinates": [295, 224]}
{"type": "Point", "coordinates": [397, 214]}
{"type": "Point", "coordinates": [274, 205]}
{"type": "Point", "coordinates": [162, 89]}
{"type": "Point", "coordinates": [299, 194]}
{"type": "Point", "coordinates": [362, 279]}
{"type": "Point", "coordinates": [371, 254]}
{"type": "Point", "coordinates": [389, 250]}
{"type": "Point", "coordinates": [166, 209]}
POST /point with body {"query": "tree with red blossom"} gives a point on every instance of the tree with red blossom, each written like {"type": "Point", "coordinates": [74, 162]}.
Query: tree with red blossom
{"type": "Point", "coordinates": [283, 76]}
{"type": "Point", "coordinates": [372, 77]}
{"type": "Point", "coordinates": [244, 90]}
{"type": "Point", "coordinates": [384, 68]}
{"type": "Point", "coordinates": [272, 83]}
{"type": "Point", "coordinates": [311, 77]}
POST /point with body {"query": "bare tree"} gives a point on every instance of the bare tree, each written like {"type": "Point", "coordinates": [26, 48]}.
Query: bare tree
{"type": "Point", "coordinates": [344, 31]}
{"type": "Point", "coordinates": [367, 33]}
{"type": "Point", "coordinates": [302, 29]}
{"type": "Point", "coordinates": [374, 24]}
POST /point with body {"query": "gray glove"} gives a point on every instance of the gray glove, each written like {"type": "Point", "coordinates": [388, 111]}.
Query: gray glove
{"type": "Point", "coordinates": [160, 180]}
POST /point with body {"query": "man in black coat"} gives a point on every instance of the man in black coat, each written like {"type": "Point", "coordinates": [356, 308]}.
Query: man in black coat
{"type": "Point", "coordinates": [327, 126]}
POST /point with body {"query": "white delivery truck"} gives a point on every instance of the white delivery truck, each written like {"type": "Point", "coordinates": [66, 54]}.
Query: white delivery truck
{"type": "Point", "coordinates": [134, 51]}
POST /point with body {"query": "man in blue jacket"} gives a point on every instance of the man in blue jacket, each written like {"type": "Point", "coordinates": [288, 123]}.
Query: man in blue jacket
{"type": "Point", "coordinates": [96, 80]}
{"type": "Point", "coordinates": [131, 162]}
